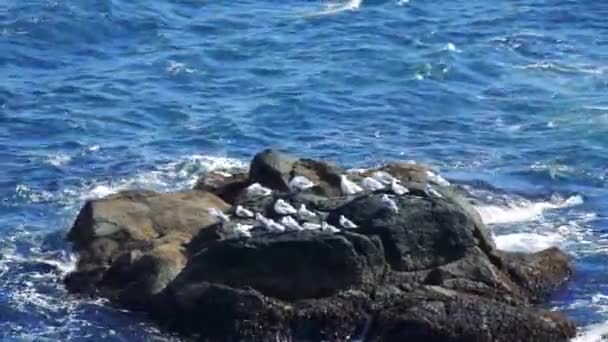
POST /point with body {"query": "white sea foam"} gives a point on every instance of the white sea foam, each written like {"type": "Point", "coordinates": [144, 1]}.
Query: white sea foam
{"type": "Point", "coordinates": [528, 242]}
{"type": "Point", "coordinates": [593, 333]}
{"type": "Point", "coordinates": [176, 68]}
{"type": "Point", "coordinates": [523, 210]}
{"type": "Point", "coordinates": [337, 7]}
{"type": "Point", "coordinates": [58, 159]}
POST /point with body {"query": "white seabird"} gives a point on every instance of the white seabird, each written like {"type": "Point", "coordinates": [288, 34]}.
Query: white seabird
{"type": "Point", "coordinates": [346, 223]}
{"type": "Point", "coordinates": [274, 226]}
{"type": "Point", "coordinates": [372, 184]}
{"type": "Point", "coordinates": [433, 177]}
{"type": "Point", "coordinates": [242, 212]}
{"type": "Point", "coordinates": [383, 176]}
{"type": "Point", "coordinates": [219, 215]}
{"type": "Point", "coordinates": [326, 227]}
{"type": "Point", "coordinates": [300, 183]}
{"type": "Point", "coordinates": [305, 214]}
{"type": "Point", "coordinates": [258, 190]}
{"type": "Point", "coordinates": [283, 208]}
{"type": "Point", "coordinates": [311, 226]}
{"type": "Point", "coordinates": [290, 223]}
{"type": "Point", "coordinates": [398, 189]}
{"type": "Point", "coordinates": [390, 204]}
{"type": "Point", "coordinates": [242, 230]}
{"type": "Point", "coordinates": [348, 187]}
{"type": "Point", "coordinates": [261, 219]}
{"type": "Point", "coordinates": [429, 190]}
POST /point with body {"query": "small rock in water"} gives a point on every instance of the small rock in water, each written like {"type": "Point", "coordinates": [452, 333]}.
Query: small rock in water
{"type": "Point", "coordinates": [326, 227]}
{"type": "Point", "coordinates": [346, 223]}
{"type": "Point", "coordinates": [300, 183]}
{"type": "Point", "coordinates": [219, 215]}
{"type": "Point", "coordinates": [348, 187]}
{"type": "Point", "coordinates": [305, 214]}
{"type": "Point", "coordinates": [372, 184]}
{"type": "Point", "coordinates": [290, 223]}
{"type": "Point", "coordinates": [258, 190]}
{"type": "Point", "coordinates": [311, 226]}
{"type": "Point", "coordinates": [398, 189]}
{"type": "Point", "coordinates": [242, 212]}
{"type": "Point", "coordinates": [390, 204]}
{"type": "Point", "coordinates": [283, 208]}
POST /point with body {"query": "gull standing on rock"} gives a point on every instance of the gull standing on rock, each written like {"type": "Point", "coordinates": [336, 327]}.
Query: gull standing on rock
{"type": "Point", "coordinates": [398, 189]}
{"type": "Point", "coordinates": [372, 184]}
{"type": "Point", "coordinates": [311, 226]}
{"type": "Point", "coordinates": [348, 187]}
{"type": "Point", "coordinates": [305, 214]}
{"type": "Point", "coordinates": [258, 190]}
{"type": "Point", "coordinates": [346, 223]}
{"type": "Point", "coordinates": [432, 192]}
{"type": "Point", "coordinates": [300, 183]}
{"type": "Point", "coordinates": [383, 176]}
{"type": "Point", "coordinates": [283, 208]}
{"type": "Point", "coordinates": [243, 230]}
{"type": "Point", "coordinates": [437, 178]}
{"type": "Point", "coordinates": [269, 224]}
{"type": "Point", "coordinates": [390, 204]}
{"type": "Point", "coordinates": [290, 223]}
{"type": "Point", "coordinates": [219, 215]}
{"type": "Point", "coordinates": [242, 212]}
{"type": "Point", "coordinates": [326, 227]}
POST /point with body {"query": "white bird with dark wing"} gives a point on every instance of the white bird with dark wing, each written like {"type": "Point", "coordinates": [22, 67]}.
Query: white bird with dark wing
{"type": "Point", "coordinates": [326, 227]}
{"type": "Point", "coordinates": [257, 190]}
{"type": "Point", "coordinates": [311, 226]}
{"type": "Point", "coordinates": [390, 204]}
{"type": "Point", "coordinates": [283, 208]}
{"type": "Point", "coordinates": [300, 183]}
{"type": "Point", "coordinates": [372, 184]}
{"type": "Point", "coordinates": [305, 214]}
{"type": "Point", "coordinates": [290, 223]}
{"type": "Point", "coordinates": [346, 223]}
{"type": "Point", "coordinates": [398, 189]}
{"type": "Point", "coordinates": [218, 215]}
{"type": "Point", "coordinates": [242, 212]}
{"type": "Point", "coordinates": [348, 187]}
{"type": "Point", "coordinates": [383, 176]}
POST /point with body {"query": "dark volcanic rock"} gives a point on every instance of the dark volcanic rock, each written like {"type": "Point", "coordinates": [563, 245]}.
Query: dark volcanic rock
{"type": "Point", "coordinates": [291, 266]}
{"type": "Point", "coordinates": [426, 272]}
{"type": "Point", "coordinates": [272, 169]}
{"type": "Point", "coordinates": [424, 233]}
{"type": "Point", "coordinates": [224, 185]}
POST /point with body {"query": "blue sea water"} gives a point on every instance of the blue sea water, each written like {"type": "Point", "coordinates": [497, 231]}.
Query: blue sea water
{"type": "Point", "coordinates": [507, 98]}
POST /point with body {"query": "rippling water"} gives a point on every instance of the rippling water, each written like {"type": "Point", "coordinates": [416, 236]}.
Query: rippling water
{"type": "Point", "coordinates": [508, 99]}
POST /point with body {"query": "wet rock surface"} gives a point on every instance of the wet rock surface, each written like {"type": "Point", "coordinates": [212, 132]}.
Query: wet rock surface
{"type": "Point", "coordinates": [327, 264]}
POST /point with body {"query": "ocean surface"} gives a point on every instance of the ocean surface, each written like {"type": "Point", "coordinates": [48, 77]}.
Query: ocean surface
{"type": "Point", "coordinates": [509, 99]}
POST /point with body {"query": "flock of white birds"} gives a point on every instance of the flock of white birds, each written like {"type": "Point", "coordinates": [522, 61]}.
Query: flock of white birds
{"type": "Point", "coordinates": [291, 217]}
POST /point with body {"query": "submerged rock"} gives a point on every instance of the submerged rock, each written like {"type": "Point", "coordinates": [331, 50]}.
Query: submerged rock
{"type": "Point", "coordinates": [425, 268]}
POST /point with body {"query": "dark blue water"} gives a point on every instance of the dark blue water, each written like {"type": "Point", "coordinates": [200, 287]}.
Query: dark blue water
{"type": "Point", "coordinates": [96, 96]}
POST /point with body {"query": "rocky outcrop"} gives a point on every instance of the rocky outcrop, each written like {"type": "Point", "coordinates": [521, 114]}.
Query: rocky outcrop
{"type": "Point", "coordinates": [415, 266]}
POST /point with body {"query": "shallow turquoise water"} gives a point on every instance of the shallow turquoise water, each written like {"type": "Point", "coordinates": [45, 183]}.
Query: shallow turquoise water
{"type": "Point", "coordinates": [102, 95]}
